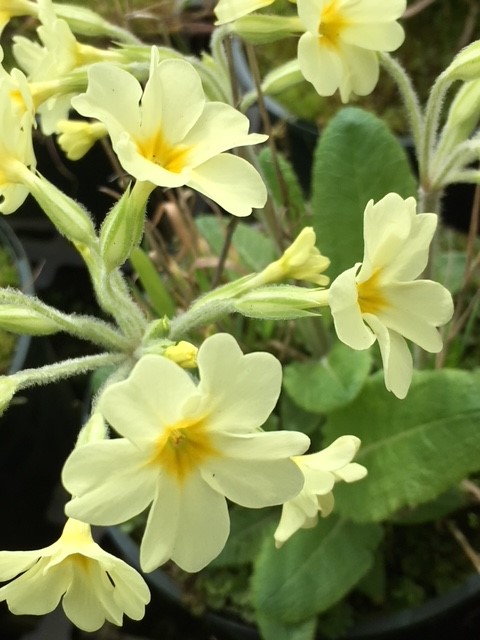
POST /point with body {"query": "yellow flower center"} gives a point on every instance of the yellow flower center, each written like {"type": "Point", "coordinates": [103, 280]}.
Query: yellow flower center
{"type": "Point", "coordinates": [370, 295]}
{"type": "Point", "coordinates": [332, 22]}
{"type": "Point", "coordinates": [156, 149]}
{"type": "Point", "coordinates": [183, 447]}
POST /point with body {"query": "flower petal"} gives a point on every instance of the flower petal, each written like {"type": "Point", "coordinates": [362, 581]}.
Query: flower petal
{"type": "Point", "coordinates": [396, 357]}
{"type": "Point", "coordinates": [111, 481]}
{"type": "Point", "coordinates": [377, 36]}
{"type": "Point", "coordinates": [347, 317]}
{"type": "Point", "coordinates": [143, 404]}
{"type": "Point", "coordinates": [319, 64]}
{"type": "Point", "coordinates": [242, 390]}
{"type": "Point", "coordinates": [231, 182]}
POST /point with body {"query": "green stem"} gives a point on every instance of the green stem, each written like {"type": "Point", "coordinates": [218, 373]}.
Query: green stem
{"type": "Point", "coordinates": [198, 316]}
{"type": "Point", "coordinates": [409, 97]}
{"type": "Point", "coordinates": [60, 370]}
{"type": "Point", "coordinates": [81, 326]}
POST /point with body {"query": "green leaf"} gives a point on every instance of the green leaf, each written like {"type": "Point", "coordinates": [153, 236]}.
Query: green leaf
{"type": "Point", "coordinates": [255, 249]}
{"type": "Point", "coordinates": [313, 570]}
{"type": "Point", "coordinates": [296, 199]}
{"type": "Point", "coordinates": [294, 418]}
{"type": "Point", "coordinates": [330, 383]}
{"type": "Point", "coordinates": [273, 629]}
{"type": "Point", "coordinates": [414, 449]}
{"type": "Point", "coordinates": [248, 528]}
{"type": "Point", "coordinates": [157, 293]}
{"type": "Point", "coordinates": [357, 158]}
{"type": "Point", "coordinates": [452, 500]}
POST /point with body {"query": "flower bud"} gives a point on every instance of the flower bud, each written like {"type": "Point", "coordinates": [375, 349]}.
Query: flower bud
{"type": "Point", "coordinates": [262, 29]}
{"type": "Point", "coordinates": [464, 112]}
{"type": "Point", "coordinates": [466, 64]}
{"type": "Point", "coordinates": [19, 319]}
{"type": "Point", "coordinates": [122, 229]}
{"type": "Point", "coordinates": [77, 137]}
{"type": "Point", "coordinates": [281, 302]}
{"type": "Point", "coordinates": [183, 353]}
{"type": "Point", "coordinates": [300, 261]}
{"type": "Point", "coordinates": [70, 218]}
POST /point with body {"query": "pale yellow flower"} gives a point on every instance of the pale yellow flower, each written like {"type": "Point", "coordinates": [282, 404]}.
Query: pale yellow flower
{"type": "Point", "coordinates": [93, 585]}
{"type": "Point", "coordinates": [380, 298]}
{"type": "Point", "coordinates": [170, 136]}
{"type": "Point", "coordinates": [300, 261]}
{"type": "Point", "coordinates": [342, 37]}
{"type": "Point", "coordinates": [77, 137]}
{"type": "Point", "coordinates": [16, 150]}
{"type": "Point", "coordinates": [14, 8]}
{"type": "Point", "coordinates": [185, 448]}
{"type": "Point", "coordinates": [321, 470]}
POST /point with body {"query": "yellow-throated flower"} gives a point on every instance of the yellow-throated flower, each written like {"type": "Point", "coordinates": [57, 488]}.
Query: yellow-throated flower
{"type": "Point", "coordinates": [321, 470]}
{"type": "Point", "coordinates": [380, 298]}
{"type": "Point", "coordinates": [93, 585]}
{"type": "Point", "coordinates": [184, 449]}
{"type": "Point", "coordinates": [171, 136]}
{"type": "Point", "coordinates": [338, 48]}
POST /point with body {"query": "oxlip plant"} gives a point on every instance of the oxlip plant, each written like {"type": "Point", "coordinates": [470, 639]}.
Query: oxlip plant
{"type": "Point", "coordinates": [255, 381]}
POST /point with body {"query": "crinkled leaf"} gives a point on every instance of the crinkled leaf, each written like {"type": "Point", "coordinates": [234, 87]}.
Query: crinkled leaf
{"type": "Point", "coordinates": [357, 158]}
{"type": "Point", "coordinates": [274, 629]}
{"type": "Point", "coordinates": [291, 186]}
{"type": "Point", "coordinates": [414, 449]}
{"type": "Point", "coordinates": [313, 570]}
{"type": "Point", "coordinates": [329, 383]}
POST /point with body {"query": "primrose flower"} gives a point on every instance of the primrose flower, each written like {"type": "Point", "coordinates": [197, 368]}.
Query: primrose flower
{"type": "Point", "coordinates": [93, 585]}
{"type": "Point", "coordinates": [171, 136]}
{"type": "Point", "coordinates": [16, 150]}
{"type": "Point", "coordinates": [380, 298]}
{"type": "Point", "coordinates": [339, 48]}
{"type": "Point", "coordinates": [321, 470]}
{"type": "Point", "coordinates": [184, 449]}
{"type": "Point", "coordinates": [14, 8]}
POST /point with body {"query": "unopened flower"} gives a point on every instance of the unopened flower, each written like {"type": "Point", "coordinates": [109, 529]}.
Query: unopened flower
{"type": "Point", "coordinates": [77, 137]}
{"type": "Point", "coordinates": [183, 353]}
{"type": "Point", "coordinates": [321, 470]}
{"type": "Point", "coordinates": [93, 585]}
{"type": "Point", "coordinates": [183, 449]}
{"type": "Point", "coordinates": [339, 48]}
{"type": "Point", "coordinates": [171, 136]}
{"type": "Point", "coordinates": [380, 298]}
{"type": "Point", "coordinates": [300, 261]}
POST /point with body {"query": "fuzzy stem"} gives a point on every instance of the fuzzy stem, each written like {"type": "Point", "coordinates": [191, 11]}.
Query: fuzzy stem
{"type": "Point", "coordinates": [65, 369]}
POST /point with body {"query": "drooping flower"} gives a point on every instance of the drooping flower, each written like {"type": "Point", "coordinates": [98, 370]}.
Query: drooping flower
{"type": "Point", "coordinates": [342, 38]}
{"type": "Point", "coordinates": [49, 65]}
{"type": "Point", "coordinates": [171, 136]}
{"type": "Point", "coordinates": [93, 585]}
{"type": "Point", "coordinates": [380, 298]}
{"type": "Point", "coordinates": [321, 470]}
{"type": "Point", "coordinates": [77, 137]}
{"type": "Point", "coordinates": [16, 149]}
{"type": "Point", "coordinates": [184, 449]}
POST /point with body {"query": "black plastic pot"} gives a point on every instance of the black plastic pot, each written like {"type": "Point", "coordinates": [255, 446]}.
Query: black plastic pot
{"type": "Point", "coordinates": [453, 615]}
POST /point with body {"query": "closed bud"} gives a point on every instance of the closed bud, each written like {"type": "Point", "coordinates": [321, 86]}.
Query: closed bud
{"type": "Point", "coordinates": [283, 77]}
{"type": "Point", "coordinates": [122, 229]}
{"type": "Point", "coordinates": [281, 302]}
{"type": "Point", "coordinates": [77, 137]}
{"type": "Point", "coordinates": [70, 218]}
{"type": "Point", "coordinates": [466, 64]}
{"type": "Point", "coordinates": [262, 29]}
{"type": "Point", "coordinates": [464, 112]}
{"type": "Point", "coordinates": [183, 353]}
{"type": "Point", "coordinates": [19, 319]}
